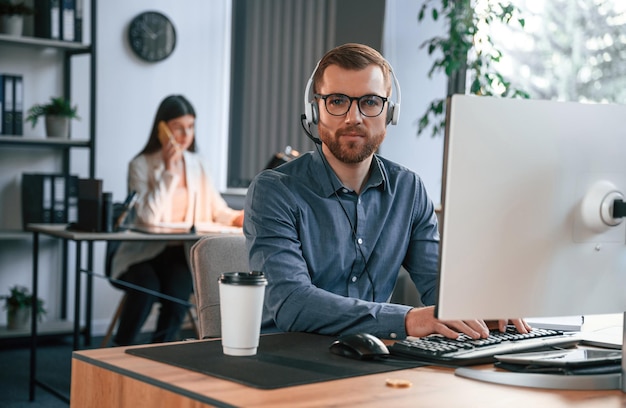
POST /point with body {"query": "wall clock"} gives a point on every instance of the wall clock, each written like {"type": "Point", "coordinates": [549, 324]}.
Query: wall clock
{"type": "Point", "coordinates": [152, 36]}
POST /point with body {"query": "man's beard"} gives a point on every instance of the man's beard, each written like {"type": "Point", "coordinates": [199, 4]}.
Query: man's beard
{"type": "Point", "coordinates": [351, 152]}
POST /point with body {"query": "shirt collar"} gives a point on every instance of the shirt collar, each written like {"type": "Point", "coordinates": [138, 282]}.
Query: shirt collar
{"type": "Point", "coordinates": [377, 178]}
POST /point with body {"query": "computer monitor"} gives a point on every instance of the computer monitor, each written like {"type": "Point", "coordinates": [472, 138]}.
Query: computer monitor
{"type": "Point", "coordinates": [528, 192]}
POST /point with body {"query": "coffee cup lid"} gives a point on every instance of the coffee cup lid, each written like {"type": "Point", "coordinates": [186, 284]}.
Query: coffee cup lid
{"type": "Point", "coordinates": [243, 278]}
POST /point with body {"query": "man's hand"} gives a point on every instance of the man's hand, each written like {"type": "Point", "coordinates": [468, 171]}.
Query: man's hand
{"type": "Point", "coordinates": [421, 322]}
{"type": "Point", "coordinates": [520, 325]}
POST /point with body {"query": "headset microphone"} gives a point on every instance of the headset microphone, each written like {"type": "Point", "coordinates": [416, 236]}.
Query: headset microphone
{"type": "Point", "coordinates": [307, 130]}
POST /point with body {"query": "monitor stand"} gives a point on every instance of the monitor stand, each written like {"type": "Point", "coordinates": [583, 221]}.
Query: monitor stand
{"type": "Point", "coordinates": [553, 381]}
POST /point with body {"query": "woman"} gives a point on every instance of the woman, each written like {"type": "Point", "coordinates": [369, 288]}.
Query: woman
{"type": "Point", "coordinates": [172, 185]}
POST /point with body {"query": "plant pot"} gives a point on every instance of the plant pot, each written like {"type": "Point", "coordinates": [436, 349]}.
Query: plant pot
{"type": "Point", "coordinates": [57, 126]}
{"type": "Point", "coordinates": [18, 318]}
{"type": "Point", "coordinates": [12, 24]}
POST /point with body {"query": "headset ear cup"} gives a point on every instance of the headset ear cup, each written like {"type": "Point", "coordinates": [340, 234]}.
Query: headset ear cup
{"type": "Point", "coordinates": [311, 114]}
{"type": "Point", "coordinates": [393, 113]}
{"type": "Point", "coordinates": [315, 116]}
{"type": "Point", "coordinates": [390, 111]}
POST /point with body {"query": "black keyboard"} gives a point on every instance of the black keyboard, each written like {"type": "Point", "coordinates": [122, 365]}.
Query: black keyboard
{"type": "Point", "coordinates": [467, 351]}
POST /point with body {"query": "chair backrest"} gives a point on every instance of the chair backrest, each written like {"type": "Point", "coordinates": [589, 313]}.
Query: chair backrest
{"type": "Point", "coordinates": [111, 246]}
{"type": "Point", "coordinates": [211, 256]}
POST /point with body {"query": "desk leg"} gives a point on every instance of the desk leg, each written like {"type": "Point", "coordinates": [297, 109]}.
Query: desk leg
{"type": "Point", "coordinates": [77, 296]}
{"type": "Point", "coordinates": [89, 295]}
{"type": "Point", "coordinates": [33, 323]}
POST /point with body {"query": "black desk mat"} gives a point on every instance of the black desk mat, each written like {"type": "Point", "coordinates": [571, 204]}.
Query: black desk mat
{"type": "Point", "coordinates": [282, 360]}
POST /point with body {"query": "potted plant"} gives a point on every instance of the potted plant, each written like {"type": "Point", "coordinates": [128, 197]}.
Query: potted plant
{"type": "Point", "coordinates": [18, 305]}
{"type": "Point", "coordinates": [12, 16]}
{"type": "Point", "coordinates": [58, 113]}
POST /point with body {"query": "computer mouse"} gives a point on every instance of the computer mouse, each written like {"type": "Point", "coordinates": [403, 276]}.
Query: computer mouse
{"type": "Point", "coordinates": [360, 346]}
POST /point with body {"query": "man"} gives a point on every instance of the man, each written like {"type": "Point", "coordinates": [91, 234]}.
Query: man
{"type": "Point", "coordinates": [331, 228]}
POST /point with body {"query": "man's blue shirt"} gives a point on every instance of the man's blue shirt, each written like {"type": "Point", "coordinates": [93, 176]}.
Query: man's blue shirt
{"type": "Point", "coordinates": [331, 256]}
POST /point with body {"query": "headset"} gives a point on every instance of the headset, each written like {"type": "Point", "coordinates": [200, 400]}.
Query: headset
{"type": "Point", "coordinates": [311, 112]}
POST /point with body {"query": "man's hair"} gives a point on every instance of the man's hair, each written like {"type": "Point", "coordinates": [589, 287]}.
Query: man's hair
{"type": "Point", "coordinates": [352, 56]}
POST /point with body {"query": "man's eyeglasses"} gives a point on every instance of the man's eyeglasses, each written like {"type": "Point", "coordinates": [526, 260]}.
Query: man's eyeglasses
{"type": "Point", "coordinates": [339, 104]}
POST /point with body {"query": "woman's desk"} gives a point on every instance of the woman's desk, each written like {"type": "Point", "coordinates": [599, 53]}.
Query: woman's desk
{"type": "Point", "coordinates": [60, 231]}
{"type": "Point", "coordinates": [111, 377]}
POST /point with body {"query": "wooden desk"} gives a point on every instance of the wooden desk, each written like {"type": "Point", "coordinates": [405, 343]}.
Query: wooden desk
{"type": "Point", "coordinates": [112, 378]}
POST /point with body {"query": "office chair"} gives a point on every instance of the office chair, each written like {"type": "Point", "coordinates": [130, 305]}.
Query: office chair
{"type": "Point", "coordinates": [210, 257]}
{"type": "Point", "coordinates": [213, 255]}
{"type": "Point", "coordinates": [405, 293]}
{"type": "Point", "coordinates": [111, 248]}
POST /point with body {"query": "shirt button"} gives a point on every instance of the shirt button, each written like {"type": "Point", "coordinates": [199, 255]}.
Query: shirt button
{"type": "Point", "coordinates": [345, 190]}
{"type": "Point", "coordinates": [360, 241]}
{"type": "Point", "coordinates": [354, 278]}
{"type": "Point", "coordinates": [393, 335]}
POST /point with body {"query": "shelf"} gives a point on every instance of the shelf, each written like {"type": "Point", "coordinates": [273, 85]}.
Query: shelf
{"type": "Point", "coordinates": [15, 235]}
{"type": "Point", "coordinates": [43, 142]}
{"type": "Point", "coordinates": [19, 235]}
{"type": "Point", "coordinates": [52, 328]}
{"type": "Point", "coordinates": [35, 42]}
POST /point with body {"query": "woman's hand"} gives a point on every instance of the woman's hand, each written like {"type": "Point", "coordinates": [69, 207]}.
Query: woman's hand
{"type": "Point", "coordinates": [238, 221]}
{"type": "Point", "coordinates": [172, 156]}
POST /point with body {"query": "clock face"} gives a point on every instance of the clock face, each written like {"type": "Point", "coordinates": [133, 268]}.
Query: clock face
{"type": "Point", "coordinates": [152, 36]}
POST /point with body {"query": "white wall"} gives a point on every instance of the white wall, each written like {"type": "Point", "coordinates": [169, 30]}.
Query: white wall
{"type": "Point", "coordinates": [129, 91]}
{"type": "Point", "coordinates": [403, 37]}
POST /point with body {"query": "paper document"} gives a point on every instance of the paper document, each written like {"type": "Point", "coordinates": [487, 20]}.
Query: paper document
{"type": "Point", "coordinates": [185, 228]}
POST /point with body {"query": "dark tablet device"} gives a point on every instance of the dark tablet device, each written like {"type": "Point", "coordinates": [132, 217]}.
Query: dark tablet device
{"type": "Point", "coordinates": [563, 358]}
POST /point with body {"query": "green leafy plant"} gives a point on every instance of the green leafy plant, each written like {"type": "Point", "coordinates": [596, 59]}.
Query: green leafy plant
{"type": "Point", "coordinates": [20, 297]}
{"type": "Point", "coordinates": [57, 106]}
{"type": "Point", "coordinates": [8, 8]}
{"type": "Point", "coordinates": [466, 48]}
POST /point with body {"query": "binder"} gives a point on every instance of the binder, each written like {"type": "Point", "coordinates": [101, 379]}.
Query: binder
{"type": "Point", "coordinates": [78, 20]}
{"type": "Point", "coordinates": [47, 19]}
{"type": "Point", "coordinates": [18, 105]}
{"type": "Point", "coordinates": [58, 200]}
{"type": "Point", "coordinates": [89, 205]}
{"type": "Point", "coordinates": [72, 199]}
{"type": "Point", "coordinates": [29, 19]}
{"type": "Point", "coordinates": [1, 104]}
{"type": "Point", "coordinates": [32, 199]}
{"type": "Point", "coordinates": [48, 198]}
{"type": "Point", "coordinates": [67, 15]}
{"type": "Point", "coordinates": [7, 114]}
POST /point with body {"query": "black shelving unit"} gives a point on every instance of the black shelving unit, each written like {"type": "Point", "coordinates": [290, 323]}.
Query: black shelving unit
{"type": "Point", "coordinates": [57, 148]}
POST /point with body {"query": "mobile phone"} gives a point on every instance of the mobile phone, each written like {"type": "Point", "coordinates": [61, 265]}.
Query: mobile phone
{"type": "Point", "coordinates": [165, 135]}
{"type": "Point", "coordinates": [564, 358]}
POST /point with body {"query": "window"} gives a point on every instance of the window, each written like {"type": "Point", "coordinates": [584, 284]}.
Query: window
{"type": "Point", "coordinates": [569, 50]}
{"type": "Point", "coordinates": [276, 44]}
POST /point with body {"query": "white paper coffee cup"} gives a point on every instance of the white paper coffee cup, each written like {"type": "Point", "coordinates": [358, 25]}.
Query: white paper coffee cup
{"type": "Point", "coordinates": [241, 309]}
